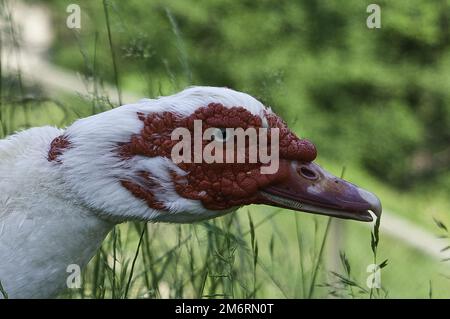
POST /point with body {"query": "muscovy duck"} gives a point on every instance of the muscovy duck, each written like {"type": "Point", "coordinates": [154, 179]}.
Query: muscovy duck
{"type": "Point", "coordinates": [62, 191]}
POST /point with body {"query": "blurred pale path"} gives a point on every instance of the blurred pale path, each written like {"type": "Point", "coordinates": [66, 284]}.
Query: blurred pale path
{"type": "Point", "coordinates": [27, 55]}
{"type": "Point", "coordinates": [34, 69]}
{"type": "Point", "coordinates": [402, 229]}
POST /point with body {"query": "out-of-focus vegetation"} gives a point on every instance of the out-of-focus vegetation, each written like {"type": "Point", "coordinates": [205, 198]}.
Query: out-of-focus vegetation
{"type": "Point", "coordinates": [375, 101]}
{"type": "Point", "coordinates": [376, 97]}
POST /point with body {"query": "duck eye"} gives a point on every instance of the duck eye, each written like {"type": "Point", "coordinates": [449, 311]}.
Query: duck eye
{"type": "Point", "coordinates": [220, 134]}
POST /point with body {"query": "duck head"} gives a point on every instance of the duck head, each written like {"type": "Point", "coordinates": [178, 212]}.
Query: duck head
{"type": "Point", "coordinates": [178, 159]}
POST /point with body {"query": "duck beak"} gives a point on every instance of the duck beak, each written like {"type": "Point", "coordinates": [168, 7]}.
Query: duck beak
{"type": "Point", "coordinates": [309, 188]}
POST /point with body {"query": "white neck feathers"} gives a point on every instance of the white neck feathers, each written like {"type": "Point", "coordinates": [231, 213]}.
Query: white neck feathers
{"type": "Point", "coordinates": [42, 231]}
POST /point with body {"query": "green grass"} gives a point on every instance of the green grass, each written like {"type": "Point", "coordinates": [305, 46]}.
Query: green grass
{"type": "Point", "coordinates": [217, 259]}
{"type": "Point", "coordinates": [2, 291]}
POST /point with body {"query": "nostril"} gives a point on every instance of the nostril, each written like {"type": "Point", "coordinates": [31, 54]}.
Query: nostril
{"type": "Point", "coordinates": [308, 173]}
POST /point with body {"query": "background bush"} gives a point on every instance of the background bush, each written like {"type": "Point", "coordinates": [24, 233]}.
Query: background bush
{"type": "Point", "coordinates": [379, 98]}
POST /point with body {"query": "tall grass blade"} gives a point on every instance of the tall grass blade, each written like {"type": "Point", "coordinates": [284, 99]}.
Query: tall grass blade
{"type": "Point", "coordinates": [113, 55]}
{"type": "Point", "coordinates": [180, 46]}
{"type": "Point", "coordinates": [2, 291]}
{"type": "Point", "coordinates": [134, 262]}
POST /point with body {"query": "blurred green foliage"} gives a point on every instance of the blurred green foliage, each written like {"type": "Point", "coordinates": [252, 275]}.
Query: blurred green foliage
{"type": "Point", "coordinates": [378, 98]}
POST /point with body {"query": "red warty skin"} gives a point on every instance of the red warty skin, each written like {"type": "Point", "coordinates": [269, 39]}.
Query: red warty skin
{"type": "Point", "coordinates": [218, 186]}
